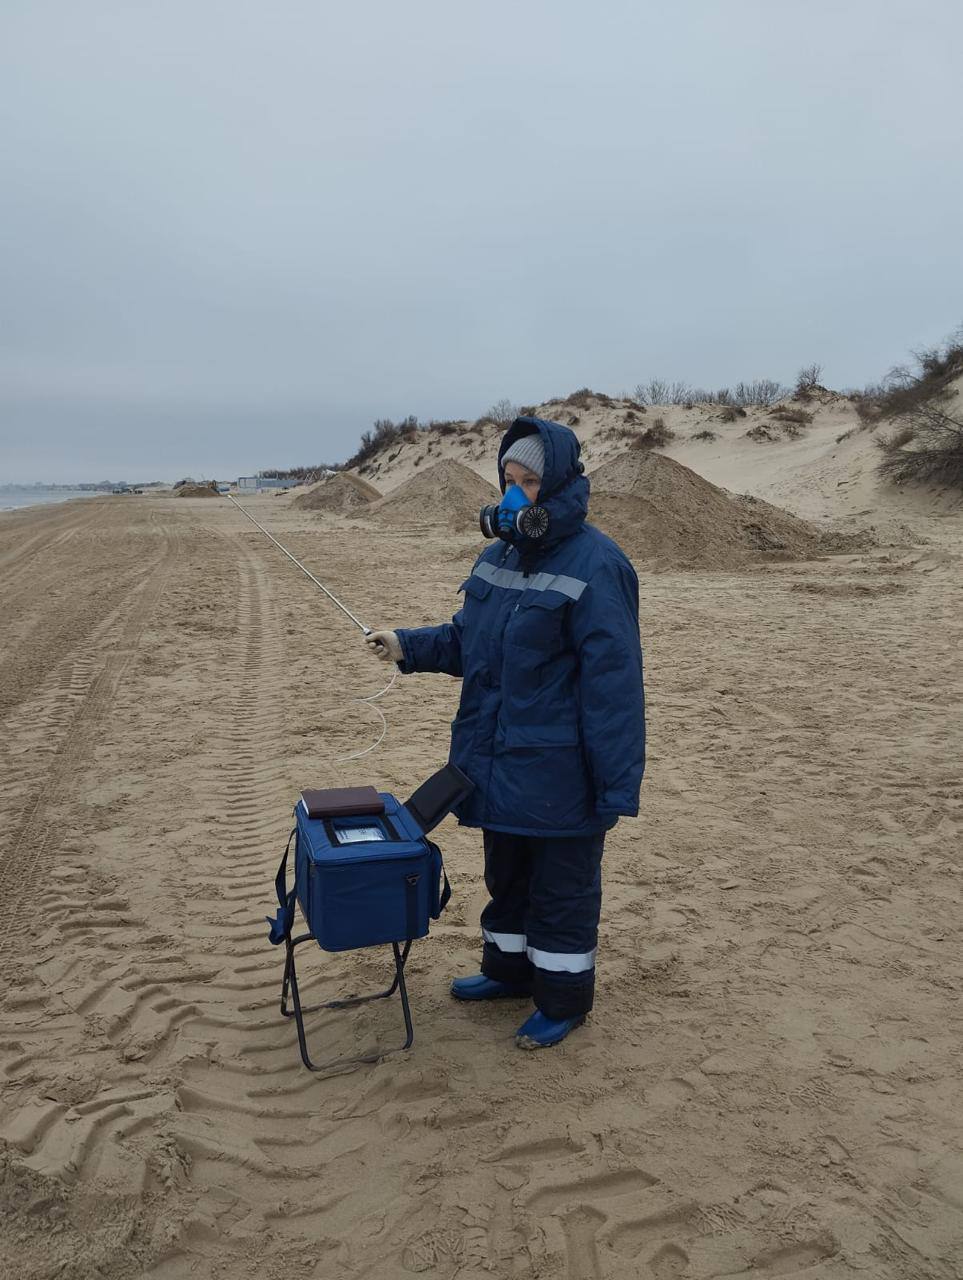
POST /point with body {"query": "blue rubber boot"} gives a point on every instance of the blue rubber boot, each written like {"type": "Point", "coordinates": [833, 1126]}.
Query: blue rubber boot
{"type": "Point", "coordinates": [478, 987]}
{"type": "Point", "coordinates": [538, 1032]}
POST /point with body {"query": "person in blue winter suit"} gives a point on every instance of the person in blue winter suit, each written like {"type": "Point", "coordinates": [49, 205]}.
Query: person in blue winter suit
{"type": "Point", "coordinates": [550, 727]}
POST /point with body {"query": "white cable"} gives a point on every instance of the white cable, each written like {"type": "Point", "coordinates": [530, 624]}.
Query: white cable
{"type": "Point", "coordinates": [356, 755]}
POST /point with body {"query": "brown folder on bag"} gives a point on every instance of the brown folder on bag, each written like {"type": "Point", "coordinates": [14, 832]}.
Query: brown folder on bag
{"type": "Point", "coordinates": [341, 802]}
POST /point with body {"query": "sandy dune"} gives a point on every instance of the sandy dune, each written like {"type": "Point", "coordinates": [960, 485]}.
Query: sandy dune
{"type": "Point", "coordinates": [825, 471]}
{"type": "Point", "coordinates": [770, 1083]}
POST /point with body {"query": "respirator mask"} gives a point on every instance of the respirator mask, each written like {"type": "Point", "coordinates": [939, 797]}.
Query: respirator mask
{"type": "Point", "coordinates": [514, 517]}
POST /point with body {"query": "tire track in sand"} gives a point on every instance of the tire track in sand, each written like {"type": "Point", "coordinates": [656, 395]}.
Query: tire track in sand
{"type": "Point", "coordinates": [56, 591]}
{"type": "Point", "coordinates": [69, 722]}
{"type": "Point", "coordinates": [156, 1002]}
{"type": "Point", "coordinates": [72, 1114]}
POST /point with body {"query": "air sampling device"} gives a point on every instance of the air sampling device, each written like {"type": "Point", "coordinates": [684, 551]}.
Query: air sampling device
{"type": "Point", "coordinates": [365, 875]}
{"type": "Point", "coordinates": [365, 872]}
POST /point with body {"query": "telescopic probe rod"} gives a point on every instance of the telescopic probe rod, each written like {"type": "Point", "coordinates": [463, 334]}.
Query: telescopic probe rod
{"type": "Point", "coordinates": [329, 594]}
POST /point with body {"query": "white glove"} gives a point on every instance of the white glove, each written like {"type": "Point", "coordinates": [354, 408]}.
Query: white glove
{"type": "Point", "coordinates": [385, 645]}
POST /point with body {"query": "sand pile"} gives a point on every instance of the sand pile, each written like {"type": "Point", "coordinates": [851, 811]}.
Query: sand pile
{"type": "Point", "coordinates": [196, 491]}
{"type": "Point", "coordinates": [665, 516]}
{"type": "Point", "coordinates": [447, 494]}
{"type": "Point", "coordinates": [342, 493]}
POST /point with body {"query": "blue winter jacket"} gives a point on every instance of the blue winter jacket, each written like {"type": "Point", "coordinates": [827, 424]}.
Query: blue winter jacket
{"type": "Point", "coordinates": [551, 724]}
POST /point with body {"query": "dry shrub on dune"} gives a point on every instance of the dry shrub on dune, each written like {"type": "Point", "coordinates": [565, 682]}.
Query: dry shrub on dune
{"type": "Point", "coordinates": [760, 433]}
{"type": "Point", "coordinates": [654, 437]}
{"type": "Point", "coordinates": [926, 445]}
{"type": "Point", "coordinates": [807, 382]}
{"type": "Point", "coordinates": [903, 392]}
{"type": "Point", "coordinates": [584, 398]}
{"type": "Point", "coordinates": [926, 448]}
{"type": "Point", "coordinates": [798, 416]}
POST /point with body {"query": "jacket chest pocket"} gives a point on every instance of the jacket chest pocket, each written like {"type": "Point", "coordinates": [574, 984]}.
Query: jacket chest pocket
{"type": "Point", "coordinates": [538, 620]}
{"type": "Point", "coordinates": [475, 589]}
{"type": "Point", "coordinates": [475, 611]}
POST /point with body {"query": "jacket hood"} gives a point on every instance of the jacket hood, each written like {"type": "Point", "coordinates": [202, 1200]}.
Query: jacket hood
{"type": "Point", "coordinates": [564, 491]}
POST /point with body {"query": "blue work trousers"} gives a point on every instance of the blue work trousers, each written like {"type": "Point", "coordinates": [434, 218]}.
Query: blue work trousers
{"type": "Point", "coordinates": [541, 926]}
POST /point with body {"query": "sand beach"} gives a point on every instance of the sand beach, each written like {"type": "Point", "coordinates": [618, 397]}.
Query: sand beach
{"type": "Point", "coordinates": [770, 1083]}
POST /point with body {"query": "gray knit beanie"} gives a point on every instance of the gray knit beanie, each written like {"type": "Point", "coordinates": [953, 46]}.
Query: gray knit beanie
{"type": "Point", "coordinates": [529, 451]}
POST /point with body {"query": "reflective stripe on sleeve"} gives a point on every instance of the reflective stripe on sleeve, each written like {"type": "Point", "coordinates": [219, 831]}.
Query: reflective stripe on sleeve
{"type": "Point", "coordinates": [562, 961]}
{"type": "Point", "coordinates": [505, 941]}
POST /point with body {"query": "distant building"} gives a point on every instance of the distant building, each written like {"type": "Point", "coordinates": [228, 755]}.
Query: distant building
{"type": "Point", "coordinates": [251, 483]}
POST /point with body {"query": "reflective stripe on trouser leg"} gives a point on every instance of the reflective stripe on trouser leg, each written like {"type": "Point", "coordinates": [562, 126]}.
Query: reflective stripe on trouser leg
{"type": "Point", "coordinates": [505, 941]}
{"type": "Point", "coordinates": [507, 875]}
{"type": "Point", "coordinates": [562, 961]}
{"type": "Point", "coordinates": [561, 926]}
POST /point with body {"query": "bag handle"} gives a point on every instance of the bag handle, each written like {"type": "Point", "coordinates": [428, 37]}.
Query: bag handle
{"type": "Point", "coordinates": [282, 923]}
{"type": "Point", "coordinates": [438, 903]}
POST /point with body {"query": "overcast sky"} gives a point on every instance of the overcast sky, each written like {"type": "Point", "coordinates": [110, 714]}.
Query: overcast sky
{"type": "Point", "coordinates": [233, 234]}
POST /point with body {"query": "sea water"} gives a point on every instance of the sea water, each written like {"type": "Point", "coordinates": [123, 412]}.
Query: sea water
{"type": "Point", "coordinates": [12, 499]}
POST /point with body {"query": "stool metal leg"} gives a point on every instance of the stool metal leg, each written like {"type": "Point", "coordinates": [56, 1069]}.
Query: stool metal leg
{"type": "Point", "coordinates": [290, 982]}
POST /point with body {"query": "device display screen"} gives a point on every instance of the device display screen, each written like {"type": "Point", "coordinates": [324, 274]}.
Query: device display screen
{"type": "Point", "coordinates": [358, 835]}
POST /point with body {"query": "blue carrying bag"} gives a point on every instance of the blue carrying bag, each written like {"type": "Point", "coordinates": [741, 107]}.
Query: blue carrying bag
{"type": "Point", "coordinates": [363, 881]}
